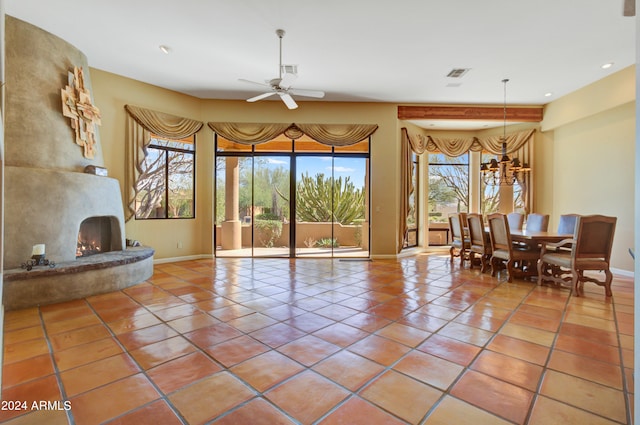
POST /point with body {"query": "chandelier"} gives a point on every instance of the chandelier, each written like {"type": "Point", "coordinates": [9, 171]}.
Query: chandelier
{"type": "Point", "coordinates": [503, 171]}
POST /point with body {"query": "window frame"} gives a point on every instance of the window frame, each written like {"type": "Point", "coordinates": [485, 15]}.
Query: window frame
{"type": "Point", "coordinates": [466, 164]}
{"type": "Point", "coordinates": [165, 151]}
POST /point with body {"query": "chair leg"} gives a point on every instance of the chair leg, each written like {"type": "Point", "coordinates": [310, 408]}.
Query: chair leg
{"type": "Point", "coordinates": [451, 253]}
{"type": "Point", "coordinates": [462, 251]}
{"type": "Point", "coordinates": [510, 271]}
{"type": "Point", "coordinates": [471, 258]}
{"type": "Point", "coordinates": [493, 266]}
{"type": "Point", "coordinates": [540, 266]}
{"type": "Point", "coordinates": [607, 282]}
{"type": "Point", "coordinates": [575, 280]}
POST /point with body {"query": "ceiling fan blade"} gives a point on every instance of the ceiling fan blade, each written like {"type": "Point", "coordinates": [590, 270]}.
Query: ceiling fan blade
{"type": "Point", "coordinates": [307, 93]}
{"type": "Point", "coordinates": [629, 8]}
{"type": "Point", "coordinates": [288, 100]}
{"type": "Point", "coordinates": [260, 97]}
{"type": "Point", "coordinates": [287, 81]}
{"type": "Point", "coordinates": [253, 82]}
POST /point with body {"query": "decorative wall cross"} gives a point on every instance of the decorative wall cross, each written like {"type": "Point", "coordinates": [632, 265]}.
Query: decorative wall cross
{"type": "Point", "coordinates": [76, 104]}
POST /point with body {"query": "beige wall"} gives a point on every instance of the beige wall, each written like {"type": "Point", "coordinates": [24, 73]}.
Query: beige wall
{"type": "Point", "coordinates": [574, 173]}
{"type": "Point", "coordinates": [112, 92]}
{"type": "Point", "coordinates": [588, 157]}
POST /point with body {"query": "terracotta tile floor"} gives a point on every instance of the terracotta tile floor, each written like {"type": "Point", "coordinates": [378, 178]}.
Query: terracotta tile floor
{"type": "Point", "coordinates": [276, 341]}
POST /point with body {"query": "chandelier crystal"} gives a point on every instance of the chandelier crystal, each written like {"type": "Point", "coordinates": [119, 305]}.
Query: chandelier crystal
{"type": "Point", "coordinates": [504, 170]}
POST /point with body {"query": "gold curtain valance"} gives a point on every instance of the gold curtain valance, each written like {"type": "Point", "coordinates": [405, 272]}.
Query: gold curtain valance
{"type": "Point", "coordinates": [164, 125]}
{"type": "Point", "coordinates": [328, 134]}
{"type": "Point", "coordinates": [514, 141]}
{"type": "Point", "coordinates": [460, 146]}
{"type": "Point", "coordinates": [338, 134]}
{"type": "Point", "coordinates": [248, 133]}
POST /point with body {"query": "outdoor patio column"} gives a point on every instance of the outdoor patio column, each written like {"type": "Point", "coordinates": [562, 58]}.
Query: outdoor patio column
{"type": "Point", "coordinates": [365, 224]}
{"type": "Point", "coordinates": [231, 226]}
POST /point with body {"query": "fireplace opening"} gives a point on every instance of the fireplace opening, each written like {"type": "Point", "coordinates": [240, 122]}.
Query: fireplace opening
{"type": "Point", "coordinates": [96, 236]}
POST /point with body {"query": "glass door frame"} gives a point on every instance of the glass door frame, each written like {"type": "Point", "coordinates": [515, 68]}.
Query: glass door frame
{"type": "Point", "coordinates": [292, 155]}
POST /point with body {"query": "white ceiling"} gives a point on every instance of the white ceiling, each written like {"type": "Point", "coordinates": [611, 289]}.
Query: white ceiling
{"type": "Point", "coordinates": [354, 50]}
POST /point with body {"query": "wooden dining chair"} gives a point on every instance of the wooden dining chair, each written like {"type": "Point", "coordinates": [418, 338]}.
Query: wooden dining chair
{"type": "Point", "coordinates": [537, 222]}
{"type": "Point", "coordinates": [503, 249]}
{"type": "Point", "coordinates": [480, 241]}
{"type": "Point", "coordinates": [516, 221]}
{"type": "Point", "coordinates": [459, 241]}
{"type": "Point", "coordinates": [590, 251]}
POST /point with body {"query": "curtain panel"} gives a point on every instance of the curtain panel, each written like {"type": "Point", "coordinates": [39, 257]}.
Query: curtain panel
{"type": "Point", "coordinates": [406, 186]}
{"type": "Point", "coordinates": [141, 124]}
{"type": "Point", "coordinates": [328, 134]}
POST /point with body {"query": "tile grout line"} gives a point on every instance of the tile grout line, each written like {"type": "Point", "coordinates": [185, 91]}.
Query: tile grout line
{"type": "Point", "coordinates": [350, 394]}
{"type": "Point", "coordinates": [545, 367]}
{"type": "Point", "coordinates": [163, 396]}
{"type": "Point", "coordinates": [257, 393]}
{"type": "Point", "coordinates": [472, 361]}
{"type": "Point", "coordinates": [625, 387]}
{"type": "Point", "coordinates": [56, 370]}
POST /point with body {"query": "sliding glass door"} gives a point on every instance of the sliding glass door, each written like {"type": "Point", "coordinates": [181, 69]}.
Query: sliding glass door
{"type": "Point", "coordinates": [281, 199]}
{"type": "Point", "coordinates": [331, 206]}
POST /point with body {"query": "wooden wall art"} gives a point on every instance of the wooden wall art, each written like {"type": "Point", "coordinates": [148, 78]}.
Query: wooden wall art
{"type": "Point", "coordinates": [76, 104]}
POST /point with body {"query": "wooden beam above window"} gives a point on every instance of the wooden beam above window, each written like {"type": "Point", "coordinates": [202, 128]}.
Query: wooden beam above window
{"type": "Point", "coordinates": [520, 114]}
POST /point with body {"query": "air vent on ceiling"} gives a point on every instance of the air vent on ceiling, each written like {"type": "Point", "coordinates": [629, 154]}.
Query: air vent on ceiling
{"type": "Point", "coordinates": [454, 84]}
{"type": "Point", "coordinates": [457, 72]}
{"type": "Point", "coordinates": [290, 69]}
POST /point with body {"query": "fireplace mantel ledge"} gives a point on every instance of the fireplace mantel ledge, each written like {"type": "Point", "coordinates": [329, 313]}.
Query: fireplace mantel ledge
{"type": "Point", "coordinates": [82, 264]}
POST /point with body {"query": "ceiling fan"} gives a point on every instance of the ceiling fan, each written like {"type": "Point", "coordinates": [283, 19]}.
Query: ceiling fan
{"type": "Point", "coordinates": [282, 85]}
{"type": "Point", "coordinates": [629, 8]}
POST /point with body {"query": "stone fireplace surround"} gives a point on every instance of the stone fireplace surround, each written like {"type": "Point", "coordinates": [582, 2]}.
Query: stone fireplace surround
{"type": "Point", "coordinates": [47, 193]}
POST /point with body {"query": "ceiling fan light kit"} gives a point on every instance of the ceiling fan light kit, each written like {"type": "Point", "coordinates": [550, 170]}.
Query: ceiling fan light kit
{"type": "Point", "coordinates": [282, 85]}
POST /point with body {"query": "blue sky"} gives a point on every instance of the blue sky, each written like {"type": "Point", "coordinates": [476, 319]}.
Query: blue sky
{"type": "Point", "coordinates": [352, 167]}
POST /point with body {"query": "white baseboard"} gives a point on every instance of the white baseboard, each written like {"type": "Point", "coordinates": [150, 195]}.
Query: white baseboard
{"type": "Point", "coordinates": [403, 254]}
{"type": "Point", "coordinates": [626, 273]}
{"type": "Point", "coordinates": [185, 258]}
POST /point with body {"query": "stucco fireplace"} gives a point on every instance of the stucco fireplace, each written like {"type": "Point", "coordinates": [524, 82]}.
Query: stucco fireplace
{"type": "Point", "coordinates": [49, 198]}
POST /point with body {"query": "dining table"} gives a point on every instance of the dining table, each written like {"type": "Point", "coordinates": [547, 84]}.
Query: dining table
{"type": "Point", "coordinates": [538, 237]}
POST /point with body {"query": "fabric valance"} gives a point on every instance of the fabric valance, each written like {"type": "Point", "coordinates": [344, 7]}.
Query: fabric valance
{"type": "Point", "coordinates": [164, 125]}
{"type": "Point", "coordinates": [328, 134]}
{"type": "Point", "coordinates": [459, 146]}
{"type": "Point", "coordinates": [338, 134]}
{"type": "Point", "coordinates": [248, 133]}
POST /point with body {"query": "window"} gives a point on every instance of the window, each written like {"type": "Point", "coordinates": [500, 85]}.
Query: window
{"type": "Point", "coordinates": [492, 196]}
{"type": "Point", "coordinates": [489, 194]}
{"type": "Point", "coordinates": [448, 186]}
{"type": "Point", "coordinates": [166, 186]}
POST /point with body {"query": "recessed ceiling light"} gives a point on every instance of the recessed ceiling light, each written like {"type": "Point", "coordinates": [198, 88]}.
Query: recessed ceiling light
{"type": "Point", "coordinates": [607, 65]}
{"type": "Point", "coordinates": [165, 49]}
{"type": "Point", "coordinates": [548, 94]}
